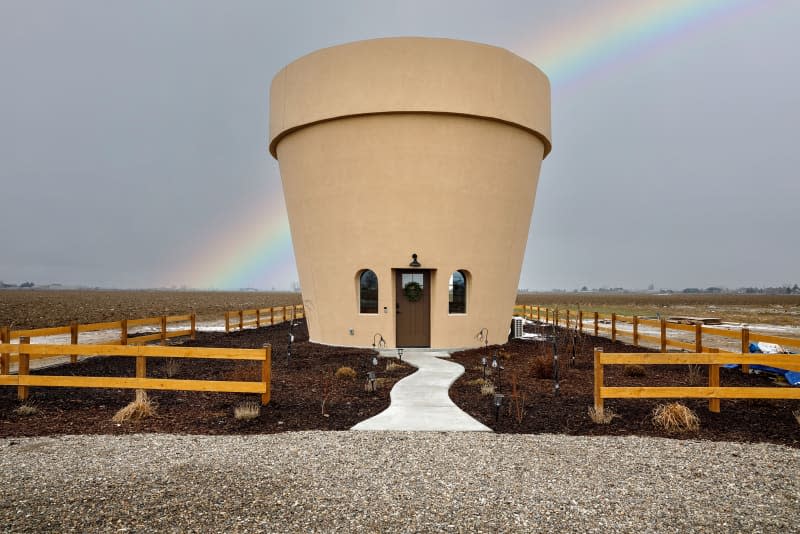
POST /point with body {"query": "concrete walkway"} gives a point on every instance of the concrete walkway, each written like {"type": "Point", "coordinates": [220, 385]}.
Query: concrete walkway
{"type": "Point", "coordinates": [420, 401]}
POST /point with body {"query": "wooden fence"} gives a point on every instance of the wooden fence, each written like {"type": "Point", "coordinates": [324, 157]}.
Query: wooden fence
{"type": "Point", "coordinates": [24, 351]}
{"type": "Point", "coordinates": [607, 324]}
{"type": "Point", "coordinates": [122, 329]}
{"type": "Point", "coordinates": [714, 391]}
{"type": "Point", "coordinates": [241, 319]}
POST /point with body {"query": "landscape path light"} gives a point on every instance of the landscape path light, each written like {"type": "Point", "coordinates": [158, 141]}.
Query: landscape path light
{"type": "Point", "coordinates": [498, 402]}
{"type": "Point", "coordinates": [371, 378]}
{"type": "Point", "coordinates": [483, 362]}
{"type": "Point", "coordinates": [400, 354]}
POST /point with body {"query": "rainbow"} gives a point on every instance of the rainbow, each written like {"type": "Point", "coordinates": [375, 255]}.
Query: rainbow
{"type": "Point", "coordinates": [255, 250]}
{"type": "Point", "coordinates": [612, 34]}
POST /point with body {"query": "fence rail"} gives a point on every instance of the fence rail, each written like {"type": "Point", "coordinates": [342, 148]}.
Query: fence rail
{"type": "Point", "coordinates": [714, 391]}
{"type": "Point", "coordinates": [23, 380]}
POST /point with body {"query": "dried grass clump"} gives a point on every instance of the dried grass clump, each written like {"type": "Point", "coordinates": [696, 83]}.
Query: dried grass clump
{"type": "Point", "coordinates": [171, 367]}
{"type": "Point", "coordinates": [379, 383]}
{"type": "Point", "coordinates": [675, 417]}
{"type": "Point", "coordinates": [487, 389]}
{"type": "Point", "coordinates": [477, 382]}
{"type": "Point", "coordinates": [140, 408]}
{"type": "Point", "coordinates": [601, 417]}
{"type": "Point", "coordinates": [634, 370]}
{"type": "Point", "coordinates": [247, 411]}
{"type": "Point", "coordinates": [394, 366]}
{"type": "Point", "coordinates": [347, 373]}
{"type": "Point", "coordinates": [542, 367]}
{"type": "Point", "coordinates": [26, 409]}
{"type": "Point", "coordinates": [694, 373]}
{"type": "Point", "coordinates": [796, 415]}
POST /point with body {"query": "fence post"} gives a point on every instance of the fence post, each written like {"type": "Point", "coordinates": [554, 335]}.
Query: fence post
{"type": "Point", "coordinates": [598, 381]}
{"type": "Point", "coordinates": [193, 327]}
{"type": "Point", "coordinates": [241, 319]}
{"type": "Point", "coordinates": [745, 348]}
{"type": "Point", "coordinates": [284, 314]}
{"type": "Point", "coordinates": [163, 329]}
{"type": "Point", "coordinates": [5, 358]}
{"type": "Point", "coordinates": [663, 335]}
{"type": "Point", "coordinates": [23, 368]}
{"type": "Point", "coordinates": [580, 321]}
{"type": "Point", "coordinates": [227, 322]}
{"type": "Point", "coordinates": [538, 313]}
{"type": "Point", "coordinates": [141, 366]}
{"type": "Point", "coordinates": [713, 382]}
{"type": "Point", "coordinates": [596, 324]}
{"type": "Point", "coordinates": [266, 369]}
{"type": "Point", "coordinates": [73, 339]}
{"type": "Point", "coordinates": [613, 327]}
{"type": "Point", "coordinates": [546, 315]}
{"type": "Point", "coordinates": [567, 318]}
{"type": "Point", "coordinates": [258, 318]}
{"type": "Point", "coordinates": [635, 330]}
{"type": "Point", "coordinates": [123, 332]}
{"type": "Point", "coordinates": [698, 337]}
{"type": "Point", "coordinates": [271, 315]}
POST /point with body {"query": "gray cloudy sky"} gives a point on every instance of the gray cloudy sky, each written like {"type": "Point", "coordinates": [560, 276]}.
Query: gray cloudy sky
{"type": "Point", "coordinates": [133, 135]}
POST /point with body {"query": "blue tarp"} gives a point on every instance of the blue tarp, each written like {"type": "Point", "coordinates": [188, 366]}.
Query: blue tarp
{"type": "Point", "coordinates": [792, 377]}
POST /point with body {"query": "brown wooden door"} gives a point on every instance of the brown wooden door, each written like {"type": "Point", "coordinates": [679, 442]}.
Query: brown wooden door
{"type": "Point", "coordinates": [413, 311]}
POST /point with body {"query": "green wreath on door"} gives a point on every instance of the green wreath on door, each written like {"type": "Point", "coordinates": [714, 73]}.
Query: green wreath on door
{"type": "Point", "coordinates": [412, 291]}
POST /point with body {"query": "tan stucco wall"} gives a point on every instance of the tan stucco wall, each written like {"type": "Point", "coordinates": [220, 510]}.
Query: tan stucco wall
{"type": "Point", "coordinates": [398, 146]}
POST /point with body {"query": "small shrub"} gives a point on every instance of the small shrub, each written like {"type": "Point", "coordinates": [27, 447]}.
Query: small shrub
{"type": "Point", "coordinates": [140, 408]}
{"type": "Point", "coordinates": [601, 417]}
{"type": "Point", "coordinates": [477, 382]}
{"type": "Point", "coordinates": [347, 373]}
{"type": "Point", "coordinates": [694, 373]}
{"type": "Point", "coordinates": [675, 417]}
{"type": "Point", "coordinates": [26, 409]}
{"type": "Point", "coordinates": [379, 383]}
{"type": "Point", "coordinates": [487, 389]}
{"type": "Point", "coordinates": [394, 366]}
{"type": "Point", "coordinates": [542, 367]}
{"type": "Point", "coordinates": [635, 370]}
{"type": "Point", "coordinates": [247, 411]}
{"type": "Point", "coordinates": [171, 367]}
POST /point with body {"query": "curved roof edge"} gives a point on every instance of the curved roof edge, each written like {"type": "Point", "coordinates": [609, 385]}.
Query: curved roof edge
{"type": "Point", "coordinates": [410, 75]}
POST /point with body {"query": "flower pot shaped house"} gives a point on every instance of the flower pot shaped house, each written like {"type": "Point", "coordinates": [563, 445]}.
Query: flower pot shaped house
{"type": "Point", "coordinates": [409, 168]}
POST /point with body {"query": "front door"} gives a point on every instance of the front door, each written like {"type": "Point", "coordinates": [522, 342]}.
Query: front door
{"type": "Point", "coordinates": [413, 311]}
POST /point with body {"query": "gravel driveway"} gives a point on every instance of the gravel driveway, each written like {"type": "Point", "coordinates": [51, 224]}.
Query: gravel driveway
{"type": "Point", "coordinates": [398, 482]}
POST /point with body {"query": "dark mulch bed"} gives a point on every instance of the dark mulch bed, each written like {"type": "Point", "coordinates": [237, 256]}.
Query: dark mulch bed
{"type": "Point", "coordinates": [297, 391]}
{"type": "Point", "coordinates": [566, 413]}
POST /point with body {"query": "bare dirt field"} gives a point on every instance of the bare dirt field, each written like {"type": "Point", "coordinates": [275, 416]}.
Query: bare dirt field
{"type": "Point", "coordinates": [44, 308]}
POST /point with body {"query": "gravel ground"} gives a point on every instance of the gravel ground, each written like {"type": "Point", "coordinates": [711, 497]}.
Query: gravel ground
{"type": "Point", "coordinates": [398, 482]}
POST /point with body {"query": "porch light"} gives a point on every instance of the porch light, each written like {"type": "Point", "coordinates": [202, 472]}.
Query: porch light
{"type": "Point", "coordinates": [414, 262]}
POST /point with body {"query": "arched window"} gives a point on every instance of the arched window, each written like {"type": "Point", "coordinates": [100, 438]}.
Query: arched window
{"type": "Point", "coordinates": [368, 292]}
{"type": "Point", "coordinates": [458, 292]}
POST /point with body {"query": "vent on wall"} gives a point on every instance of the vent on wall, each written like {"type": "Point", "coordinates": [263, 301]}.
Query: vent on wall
{"type": "Point", "coordinates": [516, 327]}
